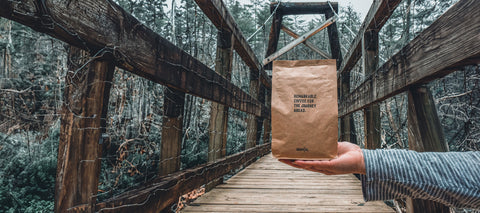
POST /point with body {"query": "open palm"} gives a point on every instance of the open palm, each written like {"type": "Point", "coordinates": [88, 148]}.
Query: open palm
{"type": "Point", "coordinates": [349, 160]}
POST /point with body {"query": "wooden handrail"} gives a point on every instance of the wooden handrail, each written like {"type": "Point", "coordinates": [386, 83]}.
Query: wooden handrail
{"type": "Point", "coordinates": [376, 17]}
{"type": "Point", "coordinates": [135, 47]}
{"type": "Point", "coordinates": [158, 194]}
{"type": "Point", "coordinates": [448, 43]}
{"type": "Point", "coordinates": [218, 13]}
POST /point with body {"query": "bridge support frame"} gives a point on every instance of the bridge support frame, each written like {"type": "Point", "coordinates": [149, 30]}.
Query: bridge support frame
{"type": "Point", "coordinates": [424, 135]}
{"type": "Point", "coordinates": [83, 121]}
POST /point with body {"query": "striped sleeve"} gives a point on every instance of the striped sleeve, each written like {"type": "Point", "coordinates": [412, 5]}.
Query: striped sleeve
{"type": "Point", "coordinates": [451, 178]}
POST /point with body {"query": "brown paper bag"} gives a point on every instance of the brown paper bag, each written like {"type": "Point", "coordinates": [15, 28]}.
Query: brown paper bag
{"type": "Point", "coordinates": [304, 109]}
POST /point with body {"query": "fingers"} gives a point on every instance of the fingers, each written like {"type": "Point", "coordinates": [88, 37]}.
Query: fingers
{"type": "Point", "coordinates": [290, 163]}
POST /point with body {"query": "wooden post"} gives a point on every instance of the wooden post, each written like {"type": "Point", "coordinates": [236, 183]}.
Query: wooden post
{"type": "Point", "coordinates": [252, 124]}
{"type": "Point", "coordinates": [260, 120]}
{"type": "Point", "coordinates": [424, 135]}
{"type": "Point", "coordinates": [334, 39]}
{"type": "Point", "coordinates": [219, 113]}
{"type": "Point", "coordinates": [371, 113]}
{"type": "Point", "coordinates": [173, 104]}
{"type": "Point", "coordinates": [82, 122]}
{"type": "Point", "coordinates": [273, 37]}
{"type": "Point", "coordinates": [267, 123]}
{"type": "Point", "coordinates": [347, 126]}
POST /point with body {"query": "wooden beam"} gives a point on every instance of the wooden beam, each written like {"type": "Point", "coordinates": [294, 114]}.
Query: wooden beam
{"type": "Point", "coordinates": [334, 39]}
{"type": "Point", "coordinates": [155, 196]}
{"type": "Point", "coordinates": [219, 113]}
{"type": "Point", "coordinates": [298, 41]}
{"type": "Point", "coordinates": [83, 120]}
{"type": "Point", "coordinates": [108, 28]}
{"type": "Point", "coordinates": [424, 135]}
{"type": "Point", "coordinates": [218, 125]}
{"type": "Point", "coordinates": [267, 123]}
{"type": "Point", "coordinates": [307, 43]}
{"type": "Point", "coordinates": [376, 17]}
{"type": "Point", "coordinates": [448, 44]}
{"type": "Point", "coordinates": [218, 13]}
{"type": "Point", "coordinates": [302, 8]}
{"type": "Point", "coordinates": [252, 124]}
{"type": "Point", "coordinates": [173, 104]}
{"type": "Point", "coordinates": [273, 37]}
{"type": "Point", "coordinates": [372, 112]}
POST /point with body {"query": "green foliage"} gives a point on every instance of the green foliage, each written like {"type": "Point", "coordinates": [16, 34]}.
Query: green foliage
{"type": "Point", "coordinates": [27, 180]}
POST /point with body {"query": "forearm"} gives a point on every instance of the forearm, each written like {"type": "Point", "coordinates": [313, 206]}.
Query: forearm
{"type": "Point", "coordinates": [451, 178]}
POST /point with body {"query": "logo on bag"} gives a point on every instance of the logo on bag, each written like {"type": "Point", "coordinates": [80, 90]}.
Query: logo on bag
{"type": "Point", "coordinates": [304, 149]}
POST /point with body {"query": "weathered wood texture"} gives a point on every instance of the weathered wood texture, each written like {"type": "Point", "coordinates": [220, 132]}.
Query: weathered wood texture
{"type": "Point", "coordinates": [376, 17]}
{"type": "Point", "coordinates": [302, 8]}
{"type": "Point", "coordinates": [333, 38]}
{"type": "Point", "coordinates": [252, 120]}
{"type": "Point", "coordinates": [218, 13]}
{"type": "Point", "coordinates": [217, 145]}
{"type": "Point", "coordinates": [298, 41]}
{"type": "Point", "coordinates": [173, 105]}
{"type": "Point", "coordinates": [267, 123]}
{"type": "Point", "coordinates": [104, 26]}
{"type": "Point", "coordinates": [273, 37]}
{"type": "Point", "coordinates": [447, 44]}
{"type": "Point", "coordinates": [270, 186]}
{"type": "Point", "coordinates": [82, 122]}
{"type": "Point", "coordinates": [424, 135]}
{"type": "Point", "coordinates": [371, 113]}
{"type": "Point", "coordinates": [424, 128]}
{"type": "Point", "coordinates": [155, 196]}
{"type": "Point", "coordinates": [307, 43]}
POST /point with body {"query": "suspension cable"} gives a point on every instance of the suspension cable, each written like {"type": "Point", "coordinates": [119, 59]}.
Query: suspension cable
{"type": "Point", "coordinates": [263, 25]}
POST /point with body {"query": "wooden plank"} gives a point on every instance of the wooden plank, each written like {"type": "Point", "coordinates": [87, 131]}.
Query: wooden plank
{"type": "Point", "coordinates": [156, 195]}
{"type": "Point", "coordinates": [376, 17]}
{"type": "Point", "coordinates": [83, 120]}
{"type": "Point", "coordinates": [171, 142]}
{"type": "Point", "coordinates": [302, 8]}
{"type": "Point", "coordinates": [303, 192]}
{"type": "Point", "coordinates": [286, 208]}
{"type": "Point", "coordinates": [218, 13]}
{"type": "Point", "coordinates": [449, 43]}
{"type": "Point", "coordinates": [306, 42]}
{"type": "Point", "coordinates": [103, 26]}
{"type": "Point", "coordinates": [289, 191]}
{"type": "Point", "coordinates": [424, 135]}
{"type": "Point", "coordinates": [371, 114]}
{"type": "Point", "coordinates": [298, 41]}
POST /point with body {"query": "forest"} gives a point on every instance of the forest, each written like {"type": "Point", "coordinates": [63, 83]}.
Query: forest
{"type": "Point", "coordinates": [34, 66]}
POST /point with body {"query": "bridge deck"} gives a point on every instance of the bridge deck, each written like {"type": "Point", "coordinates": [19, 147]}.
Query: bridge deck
{"type": "Point", "coordinates": [270, 186]}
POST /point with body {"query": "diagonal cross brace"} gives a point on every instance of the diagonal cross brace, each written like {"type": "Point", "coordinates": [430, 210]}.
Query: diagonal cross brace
{"type": "Point", "coordinates": [307, 43]}
{"type": "Point", "coordinates": [299, 40]}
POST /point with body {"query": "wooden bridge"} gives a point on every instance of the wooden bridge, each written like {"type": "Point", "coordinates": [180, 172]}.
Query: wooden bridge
{"type": "Point", "coordinates": [270, 186]}
{"type": "Point", "coordinates": [113, 38]}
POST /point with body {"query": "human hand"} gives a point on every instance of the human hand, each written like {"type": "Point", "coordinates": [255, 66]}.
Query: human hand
{"type": "Point", "coordinates": [349, 160]}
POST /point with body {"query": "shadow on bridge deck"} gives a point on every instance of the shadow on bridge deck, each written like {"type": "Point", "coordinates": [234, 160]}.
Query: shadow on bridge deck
{"type": "Point", "coordinates": [270, 186]}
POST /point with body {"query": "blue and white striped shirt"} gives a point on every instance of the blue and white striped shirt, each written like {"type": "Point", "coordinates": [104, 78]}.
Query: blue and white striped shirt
{"type": "Point", "coordinates": [451, 178]}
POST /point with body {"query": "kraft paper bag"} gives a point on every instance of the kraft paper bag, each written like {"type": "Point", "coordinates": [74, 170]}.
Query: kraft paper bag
{"type": "Point", "coordinates": [304, 109]}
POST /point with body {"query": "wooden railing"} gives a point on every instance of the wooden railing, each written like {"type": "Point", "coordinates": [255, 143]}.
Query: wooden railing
{"type": "Point", "coordinates": [113, 38]}
{"type": "Point", "coordinates": [451, 42]}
